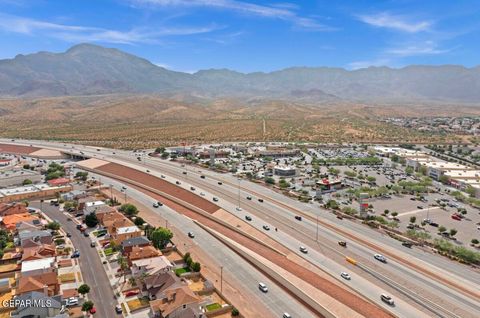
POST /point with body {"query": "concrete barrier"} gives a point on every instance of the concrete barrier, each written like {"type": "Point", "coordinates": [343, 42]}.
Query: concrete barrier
{"type": "Point", "coordinates": [182, 203]}
{"type": "Point", "coordinates": [279, 278]}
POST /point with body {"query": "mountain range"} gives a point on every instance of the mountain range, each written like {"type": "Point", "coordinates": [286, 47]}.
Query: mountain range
{"type": "Point", "coordinates": [87, 69]}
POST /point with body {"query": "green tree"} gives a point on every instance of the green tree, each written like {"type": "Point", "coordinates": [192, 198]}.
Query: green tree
{"type": "Point", "coordinates": [423, 170]}
{"type": "Point", "coordinates": [413, 219]}
{"type": "Point", "coordinates": [26, 166]}
{"type": "Point", "coordinates": [453, 232]}
{"type": "Point", "coordinates": [371, 179]}
{"type": "Point", "coordinates": [82, 175]}
{"type": "Point", "coordinates": [91, 220]}
{"type": "Point", "coordinates": [332, 204]}
{"type": "Point", "coordinates": [444, 179]}
{"type": "Point", "coordinates": [471, 191]}
{"type": "Point", "coordinates": [161, 237]}
{"type": "Point", "coordinates": [122, 262]}
{"type": "Point", "coordinates": [235, 312]}
{"type": "Point", "coordinates": [139, 221]}
{"type": "Point", "coordinates": [386, 211]}
{"type": "Point", "coordinates": [27, 182]}
{"type": "Point", "coordinates": [128, 209]}
{"type": "Point", "coordinates": [474, 241]}
{"type": "Point", "coordinates": [269, 180]}
{"type": "Point", "coordinates": [53, 226]}
{"type": "Point", "coordinates": [409, 170]}
{"type": "Point", "coordinates": [160, 149]}
{"type": "Point", "coordinates": [87, 306]}
{"type": "Point", "coordinates": [186, 256]}
{"type": "Point", "coordinates": [83, 289]}
{"type": "Point", "coordinates": [442, 229]}
{"type": "Point", "coordinates": [196, 267]}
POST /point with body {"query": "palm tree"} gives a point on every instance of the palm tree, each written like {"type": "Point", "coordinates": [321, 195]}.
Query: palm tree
{"type": "Point", "coordinates": [122, 262]}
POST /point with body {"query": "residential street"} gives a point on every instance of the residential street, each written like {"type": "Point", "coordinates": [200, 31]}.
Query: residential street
{"type": "Point", "coordinates": [93, 272]}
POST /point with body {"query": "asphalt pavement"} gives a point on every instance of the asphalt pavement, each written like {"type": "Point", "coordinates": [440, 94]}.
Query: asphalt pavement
{"type": "Point", "coordinates": [93, 273]}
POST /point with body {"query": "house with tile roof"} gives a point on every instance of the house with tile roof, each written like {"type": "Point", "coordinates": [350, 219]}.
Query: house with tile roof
{"type": "Point", "coordinates": [177, 302]}
{"type": "Point", "coordinates": [46, 283]}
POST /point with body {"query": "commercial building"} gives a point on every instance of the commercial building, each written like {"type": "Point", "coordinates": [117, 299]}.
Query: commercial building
{"type": "Point", "coordinates": [285, 171]}
{"type": "Point", "coordinates": [31, 191]}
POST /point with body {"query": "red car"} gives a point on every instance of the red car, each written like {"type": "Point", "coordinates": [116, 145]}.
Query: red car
{"type": "Point", "coordinates": [93, 310]}
{"type": "Point", "coordinates": [131, 293]}
{"type": "Point", "coordinates": [456, 217]}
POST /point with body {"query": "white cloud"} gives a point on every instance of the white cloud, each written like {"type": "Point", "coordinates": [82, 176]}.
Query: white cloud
{"type": "Point", "coordinates": [76, 33]}
{"type": "Point", "coordinates": [425, 48]}
{"type": "Point", "coordinates": [396, 22]}
{"type": "Point", "coordinates": [364, 64]}
{"type": "Point", "coordinates": [283, 11]}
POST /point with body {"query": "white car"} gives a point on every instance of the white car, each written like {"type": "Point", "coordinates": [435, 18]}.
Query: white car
{"type": "Point", "coordinates": [202, 194]}
{"type": "Point", "coordinates": [263, 287]}
{"type": "Point", "coordinates": [71, 301]}
{"type": "Point", "coordinates": [303, 249]}
{"type": "Point", "coordinates": [346, 275]}
{"type": "Point", "coordinates": [380, 258]}
{"type": "Point", "coordinates": [387, 299]}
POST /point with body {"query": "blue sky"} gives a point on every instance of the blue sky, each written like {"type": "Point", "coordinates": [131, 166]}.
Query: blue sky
{"type": "Point", "coordinates": [248, 36]}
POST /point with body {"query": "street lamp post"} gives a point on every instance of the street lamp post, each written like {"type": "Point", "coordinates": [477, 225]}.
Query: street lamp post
{"type": "Point", "coordinates": [316, 237]}
{"type": "Point", "coordinates": [221, 279]}
{"type": "Point", "coordinates": [239, 208]}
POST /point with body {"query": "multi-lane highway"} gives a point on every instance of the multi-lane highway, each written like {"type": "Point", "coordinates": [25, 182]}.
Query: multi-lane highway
{"type": "Point", "coordinates": [414, 289]}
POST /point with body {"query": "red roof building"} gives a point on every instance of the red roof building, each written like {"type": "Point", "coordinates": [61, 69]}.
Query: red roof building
{"type": "Point", "coordinates": [58, 182]}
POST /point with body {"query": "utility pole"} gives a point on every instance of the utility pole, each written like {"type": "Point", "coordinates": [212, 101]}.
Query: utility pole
{"type": "Point", "coordinates": [316, 238]}
{"type": "Point", "coordinates": [221, 279]}
{"type": "Point", "coordinates": [239, 208]}
{"type": "Point", "coordinates": [111, 193]}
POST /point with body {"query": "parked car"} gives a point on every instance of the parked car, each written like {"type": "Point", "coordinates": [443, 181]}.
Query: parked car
{"type": "Point", "coordinates": [192, 188]}
{"type": "Point", "coordinates": [75, 254]}
{"type": "Point", "coordinates": [155, 205]}
{"type": "Point", "coordinates": [387, 299]}
{"type": "Point", "coordinates": [263, 287]}
{"type": "Point", "coordinates": [248, 218]}
{"type": "Point", "coordinates": [249, 198]}
{"type": "Point", "coordinates": [298, 217]}
{"type": "Point", "coordinates": [177, 182]}
{"type": "Point", "coordinates": [220, 183]}
{"type": "Point", "coordinates": [184, 172]}
{"type": "Point", "coordinates": [286, 315]}
{"type": "Point", "coordinates": [346, 275]}
{"type": "Point", "coordinates": [191, 235]}
{"type": "Point", "coordinates": [86, 234]}
{"type": "Point", "coordinates": [92, 244]}
{"type": "Point", "coordinates": [202, 176]}
{"type": "Point", "coordinates": [93, 310]}
{"type": "Point", "coordinates": [131, 293]}
{"type": "Point", "coordinates": [118, 309]}
{"type": "Point", "coordinates": [215, 199]}
{"type": "Point", "coordinates": [69, 234]}
{"type": "Point", "coordinates": [407, 244]}
{"type": "Point", "coordinates": [456, 217]}
{"type": "Point", "coordinates": [303, 249]}
{"type": "Point", "coordinates": [260, 200]}
{"type": "Point", "coordinates": [71, 301]}
{"type": "Point", "coordinates": [266, 228]}
{"type": "Point", "coordinates": [342, 243]}
{"type": "Point", "coordinates": [380, 258]}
